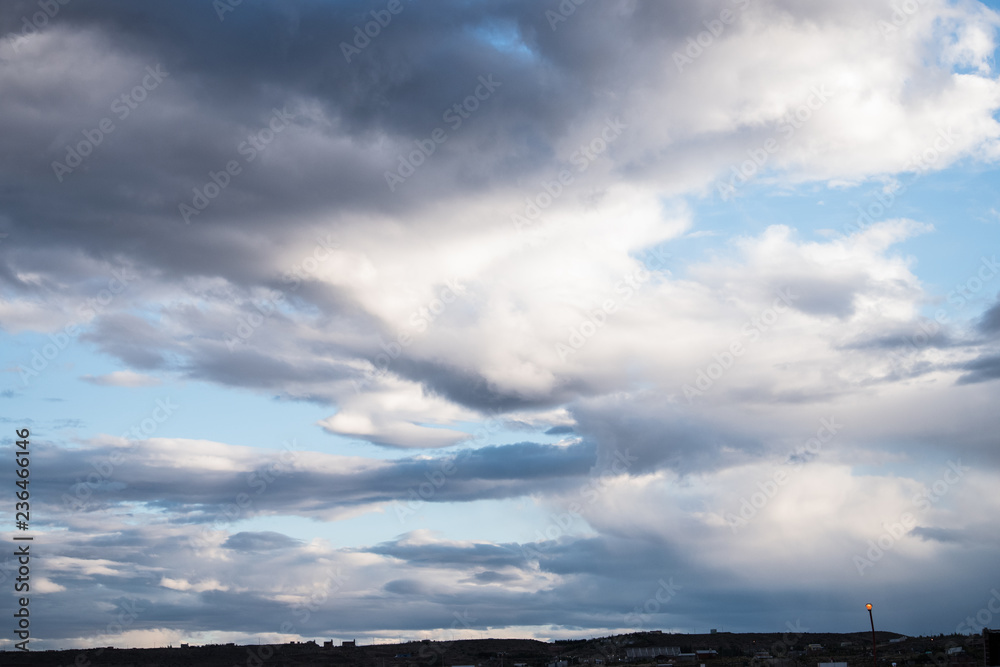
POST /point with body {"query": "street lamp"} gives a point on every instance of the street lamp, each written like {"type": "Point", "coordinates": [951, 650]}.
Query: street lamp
{"type": "Point", "coordinates": [869, 608]}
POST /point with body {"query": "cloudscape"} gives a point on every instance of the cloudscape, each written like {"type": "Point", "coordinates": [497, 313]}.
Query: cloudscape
{"type": "Point", "coordinates": [498, 318]}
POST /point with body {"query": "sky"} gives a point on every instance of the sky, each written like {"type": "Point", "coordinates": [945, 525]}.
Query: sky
{"type": "Point", "coordinates": [499, 318]}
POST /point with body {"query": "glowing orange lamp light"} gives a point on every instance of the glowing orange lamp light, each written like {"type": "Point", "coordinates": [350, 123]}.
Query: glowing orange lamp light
{"type": "Point", "coordinates": [869, 608]}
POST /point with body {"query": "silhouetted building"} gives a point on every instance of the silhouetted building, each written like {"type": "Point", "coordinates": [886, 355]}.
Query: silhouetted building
{"type": "Point", "coordinates": [653, 652]}
{"type": "Point", "coordinates": [991, 647]}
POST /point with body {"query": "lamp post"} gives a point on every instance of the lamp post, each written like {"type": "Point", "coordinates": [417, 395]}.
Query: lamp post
{"type": "Point", "coordinates": [870, 618]}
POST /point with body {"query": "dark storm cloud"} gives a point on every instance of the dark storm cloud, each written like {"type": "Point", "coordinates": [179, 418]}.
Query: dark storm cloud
{"type": "Point", "coordinates": [251, 368]}
{"type": "Point", "coordinates": [491, 577]}
{"type": "Point", "coordinates": [948, 535]}
{"type": "Point", "coordinates": [650, 433]}
{"type": "Point", "coordinates": [406, 587]}
{"type": "Point", "coordinates": [496, 556]}
{"type": "Point", "coordinates": [466, 387]}
{"type": "Point", "coordinates": [983, 369]}
{"type": "Point", "coordinates": [971, 535]}
{"type": "Point", "coordinates": [271, 55]}
{"type": "Point", "coordinates": [132, 339]}
{"type": "Point", "coordinates": [987, 366]}
{"type": "Point", "coordinates": [907, 338]}
{"type": "Point", "coordinates": [990, 321]}
{"type": "Point", "coordinates": [613, 558]}
{"type": "Point", "coordinates": [262, 541]}
{"type": "Point", "coordinates": [343, 124]}
{"type": "Point", "coordinates": [527, 460]}
{"type": "Point", "coordinates": [226, 78]}
{"type": "Point", "coordinates": [619, 575]}
{"type": "Point", "coordinates": [825, 297]}
{"type": "Point", "coordinates": [97, 479]}
{"type": "Point", "coordinates": [607, 581]}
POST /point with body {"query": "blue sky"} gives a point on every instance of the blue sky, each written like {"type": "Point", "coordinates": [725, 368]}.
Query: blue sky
{"type": "Point", "coordinates": [524, 366]}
